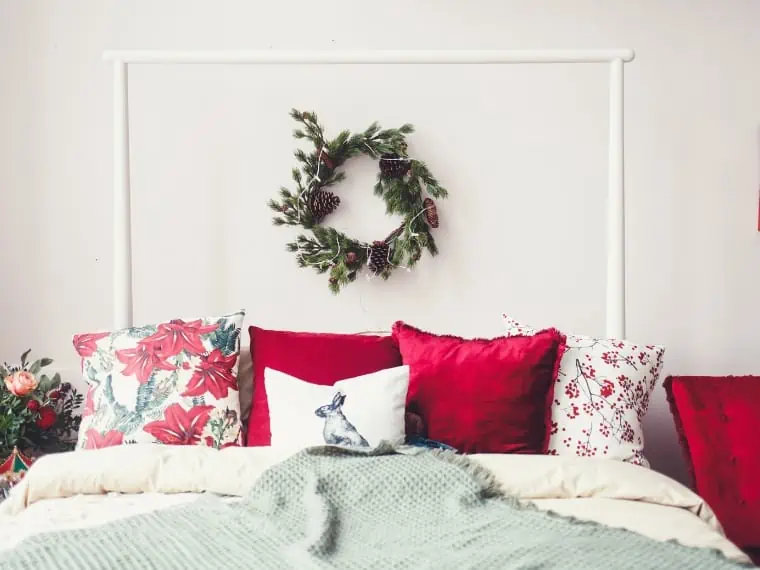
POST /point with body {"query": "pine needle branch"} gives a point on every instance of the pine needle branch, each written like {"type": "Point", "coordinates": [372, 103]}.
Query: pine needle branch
{"type": "Point", "coordinates": [421, 171]}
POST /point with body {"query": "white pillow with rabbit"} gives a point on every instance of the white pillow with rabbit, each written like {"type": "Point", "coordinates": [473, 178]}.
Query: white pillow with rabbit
{"type": "Point", "coordinates": [356, 412]}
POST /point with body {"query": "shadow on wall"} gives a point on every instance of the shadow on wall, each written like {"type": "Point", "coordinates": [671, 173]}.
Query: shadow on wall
{"type": "Point", "coordinates": [666, 455]}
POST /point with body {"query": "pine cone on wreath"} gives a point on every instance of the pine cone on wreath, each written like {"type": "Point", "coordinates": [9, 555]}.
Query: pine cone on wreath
{"type": "Point", "coordinates": [326, 160]}
{"type": "Point", "coordinates": [431, 212]}
{"type": "Point", "coordinates": [394, 166]}
{"type": "Point", "coordinates": [323, 203]}
{"type": "Point", "coordinates": [378, 257]}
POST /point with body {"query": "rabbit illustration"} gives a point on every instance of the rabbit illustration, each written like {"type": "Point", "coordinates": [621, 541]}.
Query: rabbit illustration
{"type": "Point", "coordinates": [338, 430]}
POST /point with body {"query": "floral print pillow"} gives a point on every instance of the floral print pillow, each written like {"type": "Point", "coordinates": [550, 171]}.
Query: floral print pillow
{"type": "Point", "coordinates": [601, 396]}
{"type": "Point", "coordinates": [173, 383]}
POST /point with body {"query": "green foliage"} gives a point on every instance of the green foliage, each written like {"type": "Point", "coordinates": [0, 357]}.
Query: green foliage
{"type": "Point", "coordinates": [15, 420]}
{"type": "Point", "coordinates": [220, 426]}
{"type": "Point", "coordinates": [70, 420]}
{"type": "Point", "coordinates": [122, 418]}
{"type": "Point", "coordinates": [19, 414]}
{"type": "Point", "coordinates": [227, 338]}
{"type": "Point", "coordinates": [151, 398]}
{"type": "Point", "coordinates": [158, 396]}
{"type": "Point", "coordinates": [128, 422]}
{"type": "Point", "coordinates": [47, 384]}
{"type": "Point", "coordinates": [330, 251]}
{"type": "Point", "coordinates": [140, 332]}
{"type": "Point", "coordinates": [145, 393]}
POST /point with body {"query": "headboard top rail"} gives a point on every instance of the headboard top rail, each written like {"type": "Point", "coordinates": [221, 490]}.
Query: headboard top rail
{"type": "Point", "coordinates": [467, 57]}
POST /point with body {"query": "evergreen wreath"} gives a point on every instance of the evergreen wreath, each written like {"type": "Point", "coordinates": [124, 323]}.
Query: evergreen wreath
{"type": "Point", "coordinates": [405, 184]}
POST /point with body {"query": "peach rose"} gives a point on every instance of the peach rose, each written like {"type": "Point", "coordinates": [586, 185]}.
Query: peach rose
{"type": "Point", "coordinates": [21, 383]}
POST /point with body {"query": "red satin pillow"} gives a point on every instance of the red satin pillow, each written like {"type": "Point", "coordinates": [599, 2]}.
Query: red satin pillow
{"type": "Point", "coordinates": [483, 396]}
{"type": "Point", "coordinates": [319, 358]}
{"type": "Point", "coordinates": [718, 423]}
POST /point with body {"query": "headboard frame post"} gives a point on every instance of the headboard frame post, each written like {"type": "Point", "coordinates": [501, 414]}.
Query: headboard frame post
{"type": "Point", "coordinates": [615, 316]}
{"type": "Point", "coordinates": [122, 207]}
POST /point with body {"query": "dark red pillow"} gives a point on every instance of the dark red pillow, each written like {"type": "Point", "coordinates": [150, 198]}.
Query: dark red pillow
{"type": "Point", "coordinates": [319, 358]}
{"type": "Point", "coordinates": [482, 396]}
{"type": "Point", "coordinates": [718, 423]}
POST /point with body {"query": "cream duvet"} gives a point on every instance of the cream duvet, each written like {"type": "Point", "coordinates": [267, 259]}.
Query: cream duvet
{"type": "Point", "coordinates": [89, 488]}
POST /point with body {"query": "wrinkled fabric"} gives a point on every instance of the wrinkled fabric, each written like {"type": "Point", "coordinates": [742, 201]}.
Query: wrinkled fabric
{"type": "Point", "coordinates": [330, 507]}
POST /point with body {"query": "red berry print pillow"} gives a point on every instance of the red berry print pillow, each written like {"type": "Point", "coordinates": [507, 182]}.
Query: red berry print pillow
{"type": "Point", "coordinates": [601, 396]}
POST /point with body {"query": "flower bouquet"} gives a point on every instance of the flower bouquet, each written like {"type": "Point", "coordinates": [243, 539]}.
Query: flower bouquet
{"type": "Point", "coordinates": [36, 411]}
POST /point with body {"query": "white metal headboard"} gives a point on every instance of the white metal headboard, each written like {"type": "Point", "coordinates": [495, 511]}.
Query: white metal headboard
{"type": "Point", "coordinates": [615, 58]}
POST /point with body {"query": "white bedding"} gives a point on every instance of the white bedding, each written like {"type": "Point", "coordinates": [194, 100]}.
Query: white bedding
{"type": "Point", "coordinates": [86, 488]}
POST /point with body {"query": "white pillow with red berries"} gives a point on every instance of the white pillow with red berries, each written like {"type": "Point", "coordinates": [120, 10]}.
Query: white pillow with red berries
{"type": "Point", "coordinates": [601, 395]}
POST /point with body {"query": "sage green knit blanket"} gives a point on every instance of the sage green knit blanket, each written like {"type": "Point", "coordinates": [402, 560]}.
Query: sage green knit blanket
{"type": "Point", "coordinates": [329, 507]}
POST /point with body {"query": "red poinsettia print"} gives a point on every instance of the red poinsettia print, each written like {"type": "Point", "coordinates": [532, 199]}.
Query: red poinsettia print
{"type": "Point", "coordinates": [86, 344]}
{"type": "Point", "coordinates": [142, 361]}
{"type": "Point", "coordinates": [170, 382]}
{"type": "Point", "coordinates": [177, 336]}
{"type": "Point", "coordinates": [213, 374]}
{"type": "Point", "coordinates": [89, 402]}
{"type": "Point", "coordinates": [180, 426]}
{"type": "Point", "coordinates": [98, 440]}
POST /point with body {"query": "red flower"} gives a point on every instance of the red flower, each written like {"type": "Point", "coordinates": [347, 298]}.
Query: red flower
{"type": "Point", "coordinates": [33, 405]}
{"type": "Point", "coordinates": [89, 402]}
{"type": "Point", "coordinates": [180, 426]}
{"type": "Point", "coordinates": [54, 395]}
{"type": "Point", "coordinates": [213, 374]}
{"type": "Point", "coordinates": [141, 361]}
{"type": "Point", "coordinates": [47, 417]}
{"type": "Point", "coordinates": [210, 443]}
{"type": "Point", "coordinates": [85, 345]}
{"type": "Point", "coordinates": [177, 335]}
{"type": "Point", "coordinates": [97, 440]}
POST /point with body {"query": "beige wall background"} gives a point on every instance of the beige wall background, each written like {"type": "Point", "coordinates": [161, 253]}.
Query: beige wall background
{"type": "Point", "coordinates": [522, 151]}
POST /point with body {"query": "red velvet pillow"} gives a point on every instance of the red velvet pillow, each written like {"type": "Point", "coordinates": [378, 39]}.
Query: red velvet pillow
{"type": "Point", "coordinates": [319, 358]}
{"type": "Point", "coordinates": [483, 396]}
{"type": "Point", "coordinates": [718, 423]}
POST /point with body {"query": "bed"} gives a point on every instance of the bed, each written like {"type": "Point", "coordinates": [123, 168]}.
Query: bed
{"type": "Point", "coordinates": [68, 504]}
{"type": "Point", "coordinates": [84, 489]}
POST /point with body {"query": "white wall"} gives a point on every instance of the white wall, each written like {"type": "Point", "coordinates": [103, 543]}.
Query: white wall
{"type": "Point", "coordinates": [521, 150]}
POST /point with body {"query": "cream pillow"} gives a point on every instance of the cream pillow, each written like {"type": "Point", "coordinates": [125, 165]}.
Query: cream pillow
{"type": "Point", "coordinates": [356, 412]}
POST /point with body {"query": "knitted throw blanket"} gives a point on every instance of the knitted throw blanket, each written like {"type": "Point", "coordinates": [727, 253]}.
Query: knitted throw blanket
{"type": "Point", "coordinates": [329, 507]}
